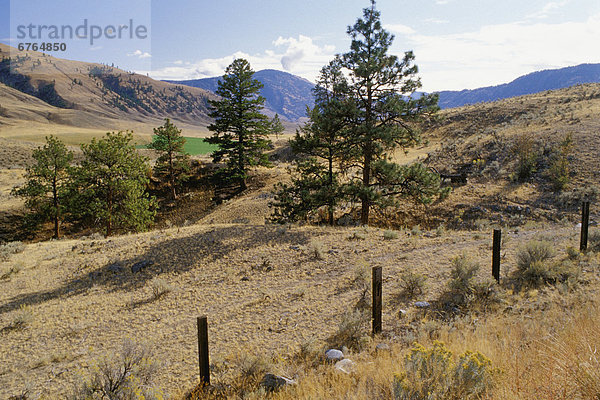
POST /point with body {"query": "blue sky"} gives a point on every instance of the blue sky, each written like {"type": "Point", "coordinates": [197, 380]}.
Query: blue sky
{"type": "Point", "coordinates": [458, 43]}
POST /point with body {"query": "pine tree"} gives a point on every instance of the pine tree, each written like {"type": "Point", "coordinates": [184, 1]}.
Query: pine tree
{"type": "Point", "coordinates": [277, 126]}
{"type": "Point", "coordinates": [382, 87]}
{"type": "Point", "coordinates": [173, 162]}
{"type": "Point", "coordinates": [111, 184]}
{"type": "Point", "coordinates": [47, 180]}
{"type": "Point", "coordinates": [321, 146]}
{"type": "Point", "coordinates": [240, 130]}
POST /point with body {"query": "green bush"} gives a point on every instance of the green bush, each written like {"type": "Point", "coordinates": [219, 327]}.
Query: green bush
{"type": "Point", "coordinates": [435, 374]}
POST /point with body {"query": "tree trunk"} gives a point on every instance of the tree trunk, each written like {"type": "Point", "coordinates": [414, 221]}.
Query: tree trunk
{"type": "Point", "coordinates": [172, 177]}
{"type": "Point", "coordinates": [110, 211]}
{"type": "Point", "coordinates": [330, 178]}
{"type": "Point", "coordinates": [366, 202]}
{"type": "Point", "coordinates": [56, 210]}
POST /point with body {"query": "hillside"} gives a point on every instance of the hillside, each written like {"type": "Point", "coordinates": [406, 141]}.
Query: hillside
{"type": "Point", "coordinates": [276, 295]}
{"type": "Point", "coordinates": [528, 84]}
{"type": "Point", "coordinates": [285, 94]}
{"type": "Point", "coordinates": [91, 96]}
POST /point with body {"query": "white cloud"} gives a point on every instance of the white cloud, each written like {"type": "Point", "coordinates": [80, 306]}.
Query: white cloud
{"type": "Point", "coordinates": [549, 8]}
{"type": "Point", "coordinates": [300, 56]}
{"type": "Point", "coordinates": [499, 53]}
{"type": "Point", "coordinates": [436, 21]}
{"type": "Point", "coordinates": [139, 54]}
{"type": "Point", "coordinates": [399, 28]}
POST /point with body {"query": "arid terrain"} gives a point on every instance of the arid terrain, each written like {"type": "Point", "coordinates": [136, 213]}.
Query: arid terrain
{"type": "Point", "coordinates": [268, 289]}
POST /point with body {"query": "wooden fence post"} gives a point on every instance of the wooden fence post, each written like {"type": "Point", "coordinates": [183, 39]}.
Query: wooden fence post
{"type": "Point", "coordinates": [203, 350]}
{"type": "Point", "coordinates": [377, 302]}
{"type": "Point", "coordinates": [496, 254]}
{"type": "Point", "coordinates": [585, 220]}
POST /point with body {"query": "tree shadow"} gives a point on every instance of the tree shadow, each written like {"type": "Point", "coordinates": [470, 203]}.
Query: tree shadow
{"type": "Point", "coordinates": [175, 255]}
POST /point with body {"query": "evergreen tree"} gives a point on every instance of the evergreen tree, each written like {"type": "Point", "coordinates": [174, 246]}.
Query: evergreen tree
{"type": "Point", "coordinates": [240, 130]}
{"type": "Point", "coordinates": [111, 184]}
{"type": "Point", "coordinates": [173, 162]}
{"type": "Point", "coordinates": [276, 126]}
{"type": "Point", "coordinates": [47, 180]}
{"type": "Point", "coordinates": [321, 145]}
{"type": "Point", "coordinates": [382, 87]}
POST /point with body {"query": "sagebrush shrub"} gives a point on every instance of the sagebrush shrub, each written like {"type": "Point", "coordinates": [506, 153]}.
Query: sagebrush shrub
{"type": "Point", "coordinates": [436, 374]}
{"type": "Point", "coordinates": [127, 375]}
{"type": "Point", "coordinates": [412, 284]}
{"type": "Point", "coordinates": [352, 330]}
{"type": "Point", "coordinates": [532, 265]}
{"type": "Point", "coordinates": [462, 279]}
{"type": "Point", "coordinates": [594, 241]}
{"type": "Point", "coordinates": [10, 248]}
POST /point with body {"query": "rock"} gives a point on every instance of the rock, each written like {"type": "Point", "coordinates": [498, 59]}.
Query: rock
{"type": "Point", "coordinates": [346, 366]}
{"type": "Point", "coordinates": [116, 268]}
{"type": "Point", "coordinates": [422, 304]}
{"type": "Point", "coordinates": [401, 313]}
{"type": "Point", "coordinates": [382, 348]}
{"type": "Point", "coordinates": [334, 355]}
{"type": "Point", "coordinates": [139, 266]}
{"type": "Point", "coordinates": [273, 382]}
{"type": "Point", "coordinates": [245, 279]}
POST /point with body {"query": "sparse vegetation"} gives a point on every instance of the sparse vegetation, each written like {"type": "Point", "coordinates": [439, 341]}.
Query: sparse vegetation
{"type": "Point", "coordinates": [10, 248]}
{"type": "Point", "coordinates": [127, 375]}
{"type": "Point", "coordinates": [160, 288]}
{"type": "Point", "coordinates": [412, 284]}
{"type": "Point", "coordinates": [352, 330]}
{"type": "Point", "coordinates": [435, 373]}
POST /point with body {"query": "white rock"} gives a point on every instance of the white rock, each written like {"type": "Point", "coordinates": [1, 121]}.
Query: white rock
{"type": "Point", "coordinates": [346, 366]}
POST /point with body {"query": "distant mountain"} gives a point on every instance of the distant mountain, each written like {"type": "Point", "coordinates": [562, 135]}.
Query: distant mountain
{"type": "Point", "coordinates": [535, 82]}
{"type": "Point", "coordinates": [285, 94]}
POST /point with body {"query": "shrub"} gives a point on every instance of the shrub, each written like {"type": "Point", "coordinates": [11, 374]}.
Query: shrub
{"type": "Point", "coordinates": [461, 285]}
{"type": "Point", "coordinates": [127, 375]}
{"type": "Point", "coordinates": [352, 330]}
{"type": "Point", "coordinates": [390, 235]}
{"type": "Point", "coordinates": [594, 241]}
{"type": "Point", "coordinates": [10, 248]}
{"type": "Point", "coordinates": [532, 267]}
{"type": "Point", "coordinates": [525, 150]}
{"type": "Point", "coordinates": [412, 284]}
{"type": "Point", "coordinates": [160, 288]}
{"type": "Point", "coordinates": [558, 172]}
{"type": "Point", "coordinates": [317, 249]}
{"type": "Point", "coordinates": [432, 373]}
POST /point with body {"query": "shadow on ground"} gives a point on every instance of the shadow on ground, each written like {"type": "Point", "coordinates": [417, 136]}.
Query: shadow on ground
{"type": "Point", "coordinates": [174, 255]}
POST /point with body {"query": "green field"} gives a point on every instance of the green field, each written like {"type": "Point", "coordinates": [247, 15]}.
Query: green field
{"type": "Point", "coordinates": [193, 146]}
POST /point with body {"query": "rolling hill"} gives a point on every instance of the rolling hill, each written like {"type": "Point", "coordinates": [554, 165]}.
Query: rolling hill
{"type": "Point", "coordinates": [285, 94]}
{"type": "Point", "coordinates": [40, 89]}
{"type": "Point", "coordinates": [528, 84]}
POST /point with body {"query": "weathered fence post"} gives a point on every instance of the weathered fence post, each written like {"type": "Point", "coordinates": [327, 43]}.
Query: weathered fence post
{"type": "Point", "coordinates": [377, 303]}
{"type": "Point", "coordinates": [496, 254]}
{"type": "Point", "coordinates": [203, 350]}
{"type": "Point", "coordinates": [585, 220]}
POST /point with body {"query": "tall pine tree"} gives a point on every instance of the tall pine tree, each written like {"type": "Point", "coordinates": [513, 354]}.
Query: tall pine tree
{"type": "Point", "coordinates": [173, 162]}
{"type": "Point", "coordinates": [240, 129]}
{"type": "Point", "coordinates": [321, 147]}
{"type": "Point", "coordinates": [47, 180]}
{"type": "Point", "coordinates": [382, 87]}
